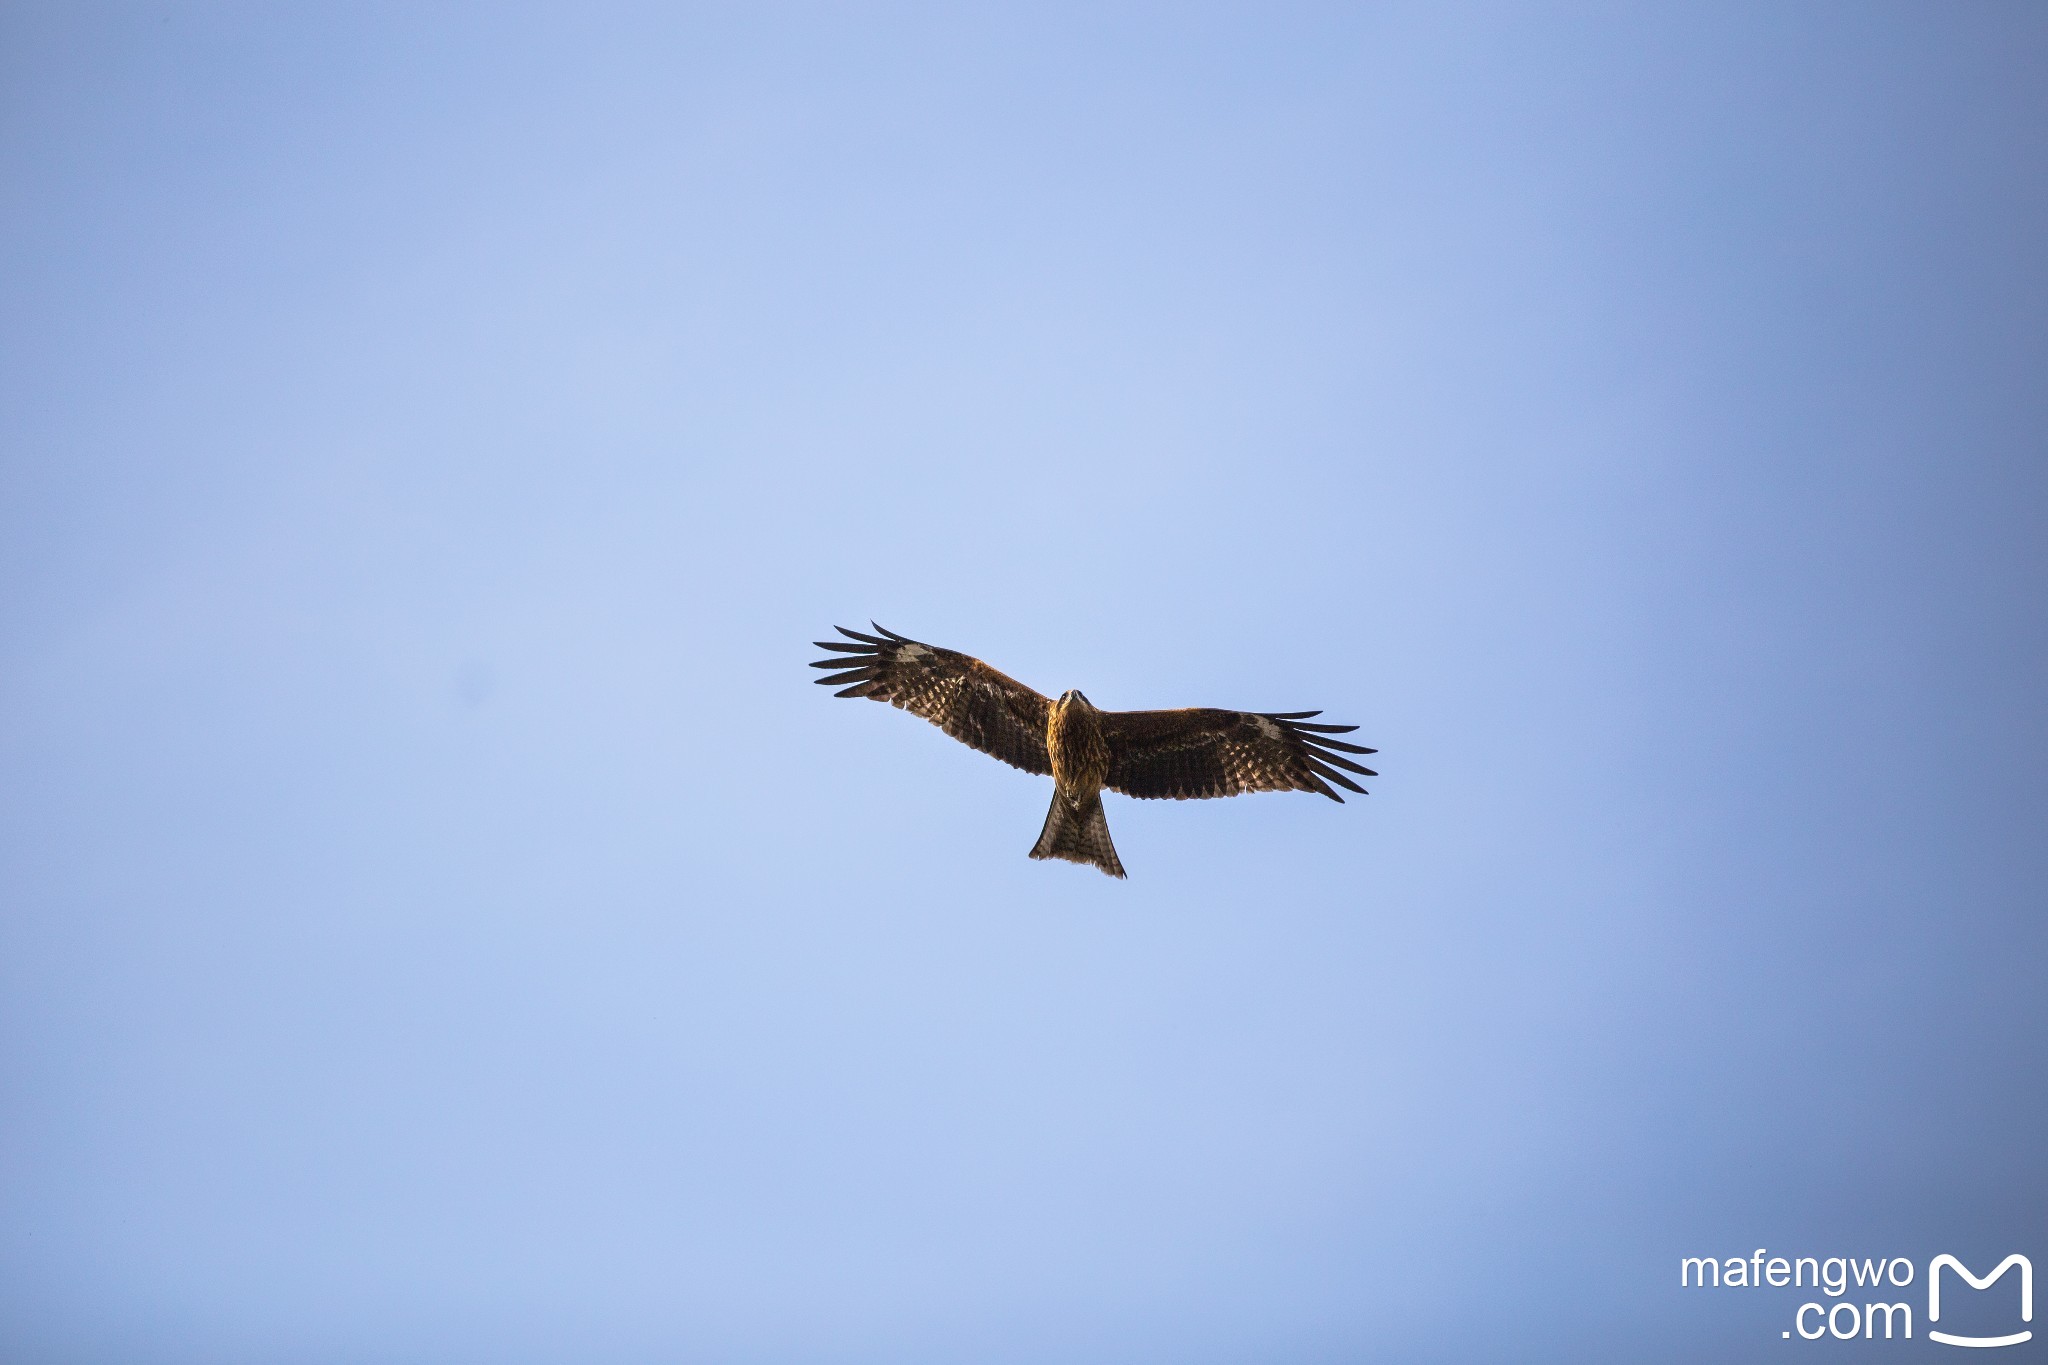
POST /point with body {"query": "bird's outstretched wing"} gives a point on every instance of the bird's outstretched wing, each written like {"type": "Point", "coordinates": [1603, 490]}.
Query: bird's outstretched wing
{"type": "Point", "coordinates": [961, 695]}
{"type": "Point", "coordinates": [1202, 751]}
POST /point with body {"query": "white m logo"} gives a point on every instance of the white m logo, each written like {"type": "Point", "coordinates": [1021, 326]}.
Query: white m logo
{"type": "Point", "coordinates": [2026, 1298]}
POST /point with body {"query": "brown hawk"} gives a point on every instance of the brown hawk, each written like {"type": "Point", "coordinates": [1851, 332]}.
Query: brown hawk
{"type": "Point", "coordinates": [1190, 753]}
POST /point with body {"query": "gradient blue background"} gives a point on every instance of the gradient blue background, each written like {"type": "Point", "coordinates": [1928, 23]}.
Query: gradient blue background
{"type": "Point", "coordinates": [442, 921]}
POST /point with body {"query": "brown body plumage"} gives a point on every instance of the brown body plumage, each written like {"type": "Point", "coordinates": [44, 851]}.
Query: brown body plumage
{"type": "Point", "coordinates": [1073, 741]}
{"type": "Point", "coordinates": [1076, 827]}
{"type": "Point", "coordinates": [1191, 753]}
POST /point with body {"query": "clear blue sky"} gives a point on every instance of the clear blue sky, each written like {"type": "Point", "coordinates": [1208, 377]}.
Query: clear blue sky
{"type": "Point", "coordinates": [442, 921]}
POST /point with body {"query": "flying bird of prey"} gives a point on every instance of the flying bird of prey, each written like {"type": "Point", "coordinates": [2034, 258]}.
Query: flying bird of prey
{"type": "Point", "coordinates": [1190, 753]}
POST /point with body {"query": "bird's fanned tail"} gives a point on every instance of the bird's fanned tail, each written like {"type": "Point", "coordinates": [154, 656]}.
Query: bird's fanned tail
{"type": "Point", "coordinates": [1078, 831]}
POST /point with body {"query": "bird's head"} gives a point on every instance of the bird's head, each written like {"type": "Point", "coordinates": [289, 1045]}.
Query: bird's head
{"type": "Point", "coordinates": [1074, 696]}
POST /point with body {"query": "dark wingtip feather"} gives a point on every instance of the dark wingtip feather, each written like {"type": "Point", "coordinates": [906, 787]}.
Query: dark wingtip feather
{"type": "Point", "coordinates": [859, 689]}
{"type": "Point", "coordinates": [1317, 756]}
{"type": "Point", "coordinates": [1316, 784]}
{"type": "Point", "coordinates": [1346, 783]}
{"type": "Point", "coordinates": [856, 635]}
